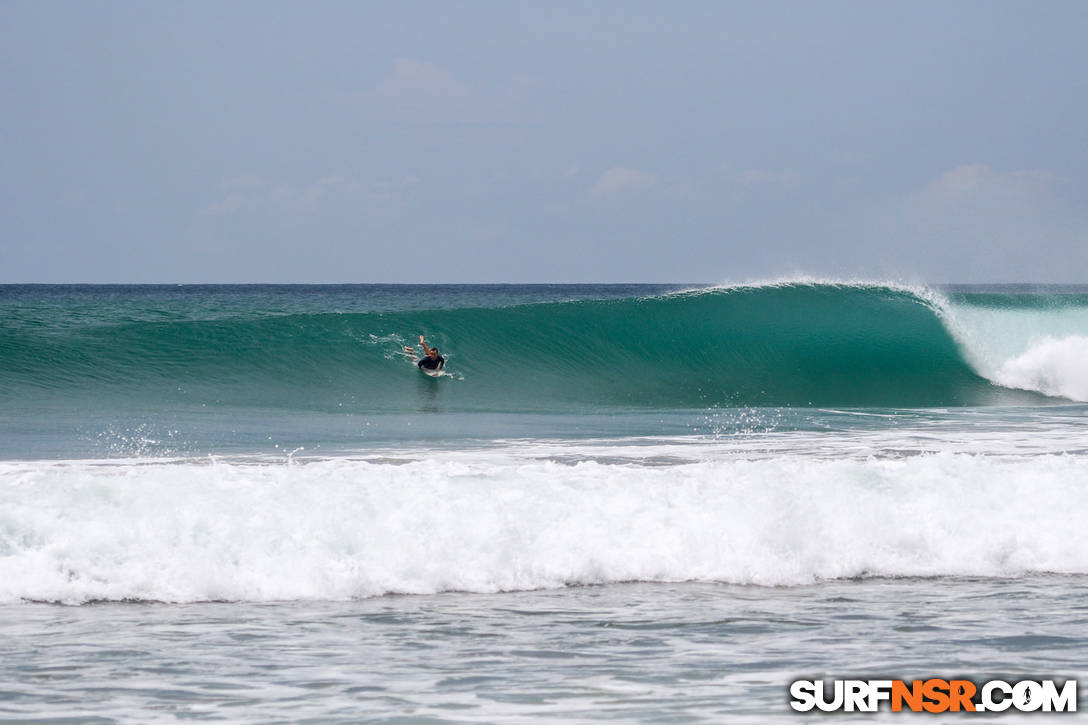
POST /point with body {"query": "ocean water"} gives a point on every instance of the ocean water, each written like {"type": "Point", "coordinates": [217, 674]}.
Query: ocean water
{"type": "Point", "coordinates": [632, 502]}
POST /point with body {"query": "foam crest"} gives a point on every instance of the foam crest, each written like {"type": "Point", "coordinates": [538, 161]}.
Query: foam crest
{"type": "Point", "coordinates": [1025, 343]}
{"type": "Point", "coordinates": [337, 529]}
{"type": "Point", "coordinates": [1053, 366]}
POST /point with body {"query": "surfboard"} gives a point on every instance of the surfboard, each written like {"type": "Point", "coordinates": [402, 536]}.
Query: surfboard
{"type": "Point", "coordinates": [431, 373]}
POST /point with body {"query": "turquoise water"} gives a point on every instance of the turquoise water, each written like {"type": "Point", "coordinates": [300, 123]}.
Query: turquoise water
{"type": "Point", "coordinates": [215, 369]}
{"type": "Point", "coordinates": [632, 501]}
{"type": "Point", "coordinates": [521, 349]}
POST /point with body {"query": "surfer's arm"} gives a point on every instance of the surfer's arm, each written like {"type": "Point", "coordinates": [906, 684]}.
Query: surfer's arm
{"type": "Point", "coordinates": [426, 350]}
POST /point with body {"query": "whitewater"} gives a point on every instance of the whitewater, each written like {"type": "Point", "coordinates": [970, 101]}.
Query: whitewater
{"type": "Point", "coordinates": [626, 501]}
{"type": "Point", "coordinates": [343, 529]}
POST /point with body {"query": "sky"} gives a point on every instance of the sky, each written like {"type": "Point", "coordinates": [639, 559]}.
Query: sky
{"type": "Point", "coordinates": [543, 141]}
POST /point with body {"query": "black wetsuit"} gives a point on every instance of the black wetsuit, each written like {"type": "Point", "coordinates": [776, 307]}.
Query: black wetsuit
{"type": "Point", "coordinates": [432, 364]}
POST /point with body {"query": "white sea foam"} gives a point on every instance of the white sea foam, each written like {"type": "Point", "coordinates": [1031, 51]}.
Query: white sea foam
{"type": "Point", "coordinates": [342, 528]}
{"type": "Point", "coordinates": [1052, 366]}
{"type": "Point", "coordinates": [1033, 349]}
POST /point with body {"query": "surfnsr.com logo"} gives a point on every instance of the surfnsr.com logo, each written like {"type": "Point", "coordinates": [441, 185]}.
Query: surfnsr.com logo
{"type": "Point", "coordinates": [933, 695]}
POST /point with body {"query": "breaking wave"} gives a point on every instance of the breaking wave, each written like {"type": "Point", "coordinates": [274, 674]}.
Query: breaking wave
{"type": "Point", "coordinates": [785, 344]}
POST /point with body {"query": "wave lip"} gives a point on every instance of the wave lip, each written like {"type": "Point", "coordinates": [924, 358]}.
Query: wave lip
{"type": "Point", "coordinates": [339, 529]}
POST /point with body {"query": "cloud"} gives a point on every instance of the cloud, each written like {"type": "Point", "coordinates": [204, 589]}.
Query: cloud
{"type": "Point", "coordinates": [974, 222]}
{"type": "Point", "coordinates": [419, 93]}
{"type": "Point", "coordinates": [978, 202]}
{"type": "Point", "coordinates": [422, 92]}
{"type": "Point", "coordinates": [765, 177]}
{"type": "Point", "coordinates": [243, 183]}
{"type": "Point", "coordinates": [418, 82]}
{"type": "Point", "coordinates": [386, 197]}
{"type": "Point", "coordinates": [980, 186]}
{"type": "Point", "coordinates": [255, 192]}
{"type": "Point", "coordinates": [620, 179]}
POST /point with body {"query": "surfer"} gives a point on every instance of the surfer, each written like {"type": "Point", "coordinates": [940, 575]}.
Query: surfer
{"type": "Point", "coordinates": [432, 360]}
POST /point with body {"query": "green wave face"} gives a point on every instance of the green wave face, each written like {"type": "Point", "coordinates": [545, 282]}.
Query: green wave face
{"type": "Point", "coordinates": [786, 345]}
